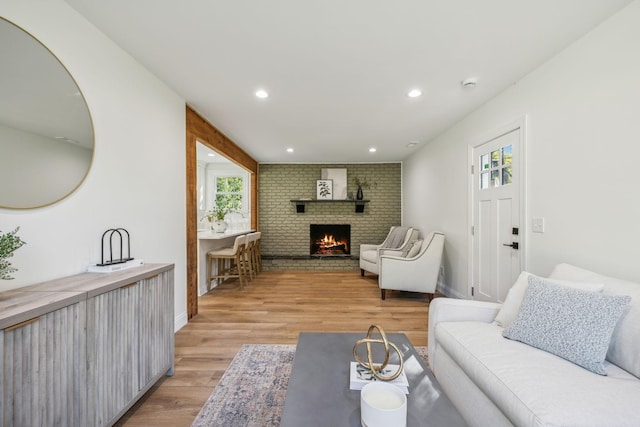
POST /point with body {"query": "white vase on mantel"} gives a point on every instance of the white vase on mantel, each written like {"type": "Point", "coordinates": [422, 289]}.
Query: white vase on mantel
{"type": "Point", "coordinates": [219, 226]}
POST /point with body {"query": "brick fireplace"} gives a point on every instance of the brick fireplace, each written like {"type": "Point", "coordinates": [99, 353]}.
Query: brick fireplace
{"type": "Point", "coordinates": [285, 242]}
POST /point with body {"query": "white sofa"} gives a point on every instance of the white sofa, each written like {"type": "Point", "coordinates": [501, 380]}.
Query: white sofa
{"type": "Point", "coordinates": [495, 381]}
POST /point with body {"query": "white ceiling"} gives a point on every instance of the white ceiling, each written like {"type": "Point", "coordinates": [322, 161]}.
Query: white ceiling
{"type": "Point", "coordinates": [338, 71]}
{"type": "Point", "coordinates": [207, 155]}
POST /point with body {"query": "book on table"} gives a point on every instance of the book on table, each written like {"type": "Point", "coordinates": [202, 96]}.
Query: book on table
{"type": "Point", "coordinates": [360, 376]}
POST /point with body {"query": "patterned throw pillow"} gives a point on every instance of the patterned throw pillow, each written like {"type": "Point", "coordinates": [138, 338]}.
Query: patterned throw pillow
{"type": "Point", "coordinates": [408, 246]}
{"type": "Point", "coordinates": [570, 323]}
{"type": "Point", "coordinates": [415, 249]}
{"type": "Point", "coordinates": [511, 305]}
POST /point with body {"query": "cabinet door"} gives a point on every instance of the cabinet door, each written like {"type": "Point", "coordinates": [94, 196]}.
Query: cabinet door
{"type": "Point", "coordinates": [43, 371]}
{"type": "Point", "coordinates": [156, 327]}
{"type": "Point", "coordinates": [112, 353]}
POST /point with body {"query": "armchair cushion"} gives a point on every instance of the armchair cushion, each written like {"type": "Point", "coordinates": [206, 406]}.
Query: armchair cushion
{"type": "Point", "coordinates": [370, 254]}
{"type": "Point", "coordinates": [412, 249]}
{"type": "Point", "coordinates": [396, 238]}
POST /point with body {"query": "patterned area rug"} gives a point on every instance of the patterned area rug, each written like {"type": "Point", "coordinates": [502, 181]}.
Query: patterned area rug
{"type": "Point", "coordinates": [252, 390]}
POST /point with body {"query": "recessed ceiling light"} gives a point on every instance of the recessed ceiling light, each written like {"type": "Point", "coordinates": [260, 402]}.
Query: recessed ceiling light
{"type": "Point", "coordinates": [372, 150]}
{"type": "Point", "coordinates": [262, 94]}
{"type": "Point", "coordinates": [412, 144]}
{"type": "Point", "coordinates": [211, 155]}
{"type": "Point", "coordinates": [414, 93]}
{"type": "Point", "coordinates": [289, 150]}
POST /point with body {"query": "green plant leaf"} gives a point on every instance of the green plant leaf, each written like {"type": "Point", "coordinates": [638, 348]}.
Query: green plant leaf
{"type": "Point", "coordinates": [9, 243]}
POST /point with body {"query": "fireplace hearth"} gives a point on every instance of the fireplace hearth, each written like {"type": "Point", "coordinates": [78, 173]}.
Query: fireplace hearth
{"type": "Point", "coordinates": [330, 240]}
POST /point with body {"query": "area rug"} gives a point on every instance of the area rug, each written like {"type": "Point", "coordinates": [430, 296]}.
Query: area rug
{"type": "Point", "coordinates": [252, 390]}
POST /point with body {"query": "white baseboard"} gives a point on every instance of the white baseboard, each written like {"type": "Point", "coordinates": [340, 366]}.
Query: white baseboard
{"type": "Point", "coordinates": [450, 292]}
{"type": "Point", "coordinates": [180, 321]}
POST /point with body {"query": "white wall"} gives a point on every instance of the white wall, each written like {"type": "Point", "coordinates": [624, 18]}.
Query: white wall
{"type": "Point", "coordinates": [582, 110]}
{"type": "Point", "coordinates": [137, 180]}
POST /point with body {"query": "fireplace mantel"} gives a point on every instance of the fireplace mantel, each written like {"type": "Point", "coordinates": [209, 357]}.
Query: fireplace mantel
{"type": "Point", "coordinates": [301, 203]}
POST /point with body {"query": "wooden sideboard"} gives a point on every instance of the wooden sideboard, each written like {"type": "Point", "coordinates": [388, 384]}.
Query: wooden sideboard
{"type": "Point", "coordinates": [81, 350]}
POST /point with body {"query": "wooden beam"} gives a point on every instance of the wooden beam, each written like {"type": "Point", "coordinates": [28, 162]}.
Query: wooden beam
{"type": "Point", "coordinates": [210, 136]}
{"type": "Point", "coordinates": [200, 130]}
{"type": "Point", "coordinates": [192, 226]}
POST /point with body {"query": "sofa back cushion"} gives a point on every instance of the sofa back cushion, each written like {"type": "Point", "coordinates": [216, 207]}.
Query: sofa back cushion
{"type": "Point", "coordinates": [570, 323]}
{"type": "Point", "coordinates": [513, 301]}
{"type": "Point", "coordinates": [624, 350]}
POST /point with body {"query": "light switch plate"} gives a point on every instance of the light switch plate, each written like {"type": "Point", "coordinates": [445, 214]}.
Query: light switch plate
{"type": "Point", "coordinates": [537, 225]}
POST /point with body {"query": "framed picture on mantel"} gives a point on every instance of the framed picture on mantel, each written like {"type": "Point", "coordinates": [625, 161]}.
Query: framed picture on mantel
{"type": "Point", "coordinates": [339, 178]}
{"type": "Point", "coordinates": [324, 189]}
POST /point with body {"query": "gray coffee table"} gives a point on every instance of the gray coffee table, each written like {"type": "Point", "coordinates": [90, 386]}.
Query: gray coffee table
{"type": "Point", "coordinates": [318, 394]}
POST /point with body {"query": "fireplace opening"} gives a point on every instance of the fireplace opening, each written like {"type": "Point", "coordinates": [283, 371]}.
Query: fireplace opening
{"type": "Point", "coordinates": [330, 239]}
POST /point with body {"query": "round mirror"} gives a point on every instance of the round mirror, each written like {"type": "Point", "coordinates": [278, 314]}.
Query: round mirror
{"type": "Point", "coordinates": [46, 133]}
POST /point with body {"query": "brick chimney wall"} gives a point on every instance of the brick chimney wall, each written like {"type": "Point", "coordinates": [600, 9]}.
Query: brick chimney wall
{"type": "Point", "coordinates": [285, 233]}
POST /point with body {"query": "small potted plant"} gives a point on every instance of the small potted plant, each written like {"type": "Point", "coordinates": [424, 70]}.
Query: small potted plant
{"type": "Point", "coordinates": [9, 243]}
{"type": "Point", "coordinates": [363, 183]}
{"type": "Point", "coordinates": [216, 215]}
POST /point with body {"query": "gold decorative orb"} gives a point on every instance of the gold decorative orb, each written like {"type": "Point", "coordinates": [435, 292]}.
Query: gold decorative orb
{"type": "Point", "coordinates": [377, 369]}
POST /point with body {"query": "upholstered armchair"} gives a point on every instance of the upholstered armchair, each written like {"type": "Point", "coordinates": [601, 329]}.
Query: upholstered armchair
{"type": "Point", "coordinates": [396, 242]}
{"type": "Point", "coordinates": [417, 271]}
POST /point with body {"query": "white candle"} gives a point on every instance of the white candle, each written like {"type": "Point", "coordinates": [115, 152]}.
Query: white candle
{"type": "Point", "coordinates": [383, 405]}
{"type": "Point", "coordinates": [384, 399]}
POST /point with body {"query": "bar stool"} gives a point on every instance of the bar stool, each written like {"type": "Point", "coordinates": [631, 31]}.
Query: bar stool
{"type": "Point", "coordinates": [235, 256]}
{"type": "Point", "coordinates": [256, 252]}
{"type": "Point", "coordinates": [250, 255]}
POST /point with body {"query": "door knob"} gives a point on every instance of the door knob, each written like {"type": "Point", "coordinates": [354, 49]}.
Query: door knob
{"type": "Point", "coordinates": [513, 245]}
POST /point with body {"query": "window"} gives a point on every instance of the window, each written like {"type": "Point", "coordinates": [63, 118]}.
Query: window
{"type": "Point", "coordinates": [226, 185]}
{"type": "Point", "coordinates": [229, 192]}
{"type": "Point", "coordinates": [496, 168]}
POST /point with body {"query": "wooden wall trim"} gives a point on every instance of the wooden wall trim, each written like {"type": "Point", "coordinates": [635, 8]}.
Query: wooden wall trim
{"type": "Point", "coordinates": [192, 226]}
{"type": "Point", "coordinates": [200, 130]}
{"type": "Point", "coordinates": [210, 136]}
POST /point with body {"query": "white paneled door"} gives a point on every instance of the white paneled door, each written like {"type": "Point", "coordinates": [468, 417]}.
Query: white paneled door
{"type": "Point", "coordinates": [496, 230]}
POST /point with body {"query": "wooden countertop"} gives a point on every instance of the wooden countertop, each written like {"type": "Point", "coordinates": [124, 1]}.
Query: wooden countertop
{"type": "Point", "coordinates": [22, 304]}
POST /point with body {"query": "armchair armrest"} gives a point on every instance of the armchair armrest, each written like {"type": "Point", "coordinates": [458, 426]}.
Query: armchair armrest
{"type": "Point", "coordinates": [389, 252]}
{"type": "Point", "coordinates": [368, 247]}
{"type": "Point", "coordinates": [406, 274]}
{"type": "Point", "coordinates": [457, 310]}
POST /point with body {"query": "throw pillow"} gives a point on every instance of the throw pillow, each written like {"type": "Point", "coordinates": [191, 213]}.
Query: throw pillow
{"type": "Point", "coordinates": [408, 246]}
{"type": "Point", "coordinates": [570, 323]}
{"type": "Point", "coordinates": [512, 302]}
{"type": "Point", "coordinates": [413, 251]}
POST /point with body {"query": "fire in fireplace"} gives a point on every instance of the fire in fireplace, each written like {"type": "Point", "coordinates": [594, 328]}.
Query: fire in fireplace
{"type": "Point", "coordinates": [330, 239]}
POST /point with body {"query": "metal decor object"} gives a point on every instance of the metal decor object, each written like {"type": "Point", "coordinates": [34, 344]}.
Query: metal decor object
{"type": "Point", "coordinates": [124, 257]}
{"type": "Point", "coordinates": [377, 369]}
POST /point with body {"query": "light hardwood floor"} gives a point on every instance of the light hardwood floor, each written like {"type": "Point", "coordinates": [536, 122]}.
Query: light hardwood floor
{"type": "Point", "coordinates": [271, 309]}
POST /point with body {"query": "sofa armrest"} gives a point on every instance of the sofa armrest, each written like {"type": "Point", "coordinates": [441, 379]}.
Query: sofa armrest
{"type": "Point", "coordinates": [461, 310]}
{"type": "Point", "coordinates": [456, 310]}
